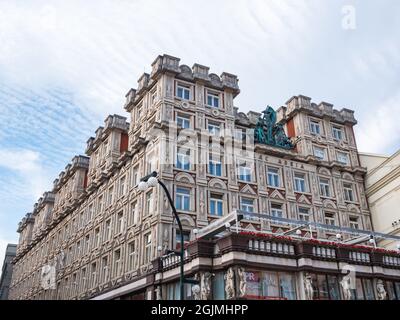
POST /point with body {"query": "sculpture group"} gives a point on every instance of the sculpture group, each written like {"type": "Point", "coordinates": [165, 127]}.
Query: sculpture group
{"type": "Point", "coordinates": [269, 132]}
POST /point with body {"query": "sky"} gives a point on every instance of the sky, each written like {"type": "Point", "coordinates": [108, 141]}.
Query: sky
{"type": "Point", "coordinates": [66, 65]}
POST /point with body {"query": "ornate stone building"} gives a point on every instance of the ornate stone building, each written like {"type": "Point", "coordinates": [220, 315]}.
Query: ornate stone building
{"type": "Point", "coordinates": [102, 238]}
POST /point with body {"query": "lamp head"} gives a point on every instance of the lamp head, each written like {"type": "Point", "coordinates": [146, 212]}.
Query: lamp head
{"type": "Point", "coordinates": [152, 182]}
{"type": "Point", "coordinates": [143, 186]}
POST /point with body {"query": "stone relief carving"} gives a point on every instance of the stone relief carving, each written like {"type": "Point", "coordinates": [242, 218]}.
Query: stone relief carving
{"type": "Point", "coordinates": [196, 294]}
{"type": "Point", "coordinates": [380, 288]}
{"type": "Point", "coordinates": [308, 288]}
{"type": "Point", "coordinates": [165, 240]}
{"type": "Point", "coordinates": [205, 285]}
{"type": "Point", "coordinates": [230, 284]}
{"type": "Point", "coordinates": [242, 281]}
{"type": "Point", "coordinates": [202, 203]}
{"type": "Point", "coordinates": [346, 287]}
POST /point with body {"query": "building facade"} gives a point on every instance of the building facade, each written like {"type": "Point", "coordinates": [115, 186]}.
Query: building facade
{"type": "Point", "coordinates": [382, 183]}
{"type": "Point", "coordinates": [6, 271]}
{"type": "Point", "coordinates": [105, 239]}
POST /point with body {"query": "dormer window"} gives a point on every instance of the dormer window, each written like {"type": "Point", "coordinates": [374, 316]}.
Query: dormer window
{"type": "Point", "coordinates": [315, 127]}
{"type": "Point", "coordinates": [212, 99]}
{"type": "Point", "coordinates": [183, 92]}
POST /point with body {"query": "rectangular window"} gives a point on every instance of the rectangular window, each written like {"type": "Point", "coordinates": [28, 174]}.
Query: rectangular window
{"type": "Point", "coordinates": [135, 175]}
{"type": "Point", "coordinates": [186, 238]}
{"type": "Point", "coordinates": [93, 280]}
{"type": "Point", "coordinates": [105, 269]}
{"type": "Point", "coordinates": [247, 204]}
{"type": "Point", "coordinates": [348, 192]}
{"type": "Point", "coordinates": [110, 195]}
{"type": "Point", "coordinates": [315, 127]}
{"type": "Point", "coordinates": [354, 223]}
{"type": "Point", "coordinates": [182, 199]}
{"type": "Point", "coordinates": [212, 99]}
{"type": "Point", "coordinates": [319, 153]}
{"type": "Point", "coordinates": [215, 166]}
{"type": "Point", "coordinates": [330, 218]}
{"type": "Point", "coordinates": [245, 172]}
{"type": "Point", "coordinates": [83, 280]}
{"type": "Point", "coordinates": [96, 238]}
{"type": "Point", "coordinates": [304, 214]}
{"type": "Point", "coordinates": [273, 177]}
{"type": "Point", "coordinates": [90, 213]}
{"type": "Point", "coordinates": [183, 159]}
{"type": "Point", "coordinates": [299, 182]}
{"type": "Point", "coordinates": [147, 248]}
{"type": "Point", "coordinates": [342, 157]}
{"type": "Point", "coordinates": [324, 187]}
{"type": "Point", "coordinates": [149, 202]}
{"type": "Point", "coordinates": [87, 244]}
{"type": "Point", "coordinates": [131, 256]}
{"type": "Point", "coordinates": [183, 122]}
{"type": "Point", "coordinates": [122, 187]}
{"type": "Point", "coordinates": [120, 223]}
{"type": "Point", "coordinates": [117, 263]}
{"type": "Point", "coordinates": [276, 210]}
{"type": "Point", "coordinates": [183, 92]}
{"type": "Point", "coordinates": [100, 204]}
{"type": "Point", "coordinates": [337, 133]}
{"type": "Point", "coordinates": [216, 205]}
{"type": "Point", "coordinates": [133, 217]}
{"type": "Point", "coordinates": [107, 230]}
{"type": "Point", "coordinates": [214, 129]}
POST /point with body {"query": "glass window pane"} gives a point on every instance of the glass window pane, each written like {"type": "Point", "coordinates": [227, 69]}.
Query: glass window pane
{"type": "Point", "coordinates": [368, 289]}
{"type": "Point", "coordinates": [287, 286]}
{"type": "Point", "coordinates": [270, 285]}
{"type": "Point", "coordinates": [333, 286]}
{"type": "Point", "coordinates": [253, 284]}
{"type": "Point", "coordinates": [218, 286]}
{"type": "Point", "coordinates": [322, 287]}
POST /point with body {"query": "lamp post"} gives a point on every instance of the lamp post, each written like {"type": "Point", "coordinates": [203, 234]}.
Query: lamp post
{"type": "Point", "coordinates": [151, 180]}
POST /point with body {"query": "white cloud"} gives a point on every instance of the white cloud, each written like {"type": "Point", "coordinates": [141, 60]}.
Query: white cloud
{"type": "Point", "coordinates": [27, 168]}
{"type": "Point", "coordinates": [379, 130]}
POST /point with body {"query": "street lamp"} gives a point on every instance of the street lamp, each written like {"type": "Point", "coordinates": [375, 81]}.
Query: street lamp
{"type": "Point", "coordinates": [151, 181]}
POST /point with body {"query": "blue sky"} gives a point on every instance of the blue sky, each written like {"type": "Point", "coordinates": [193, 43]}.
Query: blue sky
{"type": "Point", "coordinates": [66, 65]}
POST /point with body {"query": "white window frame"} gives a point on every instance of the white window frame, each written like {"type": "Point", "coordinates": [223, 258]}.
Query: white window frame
{"type": "Point", "coordinates": [354, 224]}
{"type": "Point", "coordinates": [184, 120]}
{"type": "Point", "coordinates": [297, 182]}
{"type": "Point", "coordinates": [185, 89]}
{"type": "Point", "coordinates": [214, 129]}
{"type": "Point", "coordinates": [219, 200]}
{"type": "Point", "coordinates": [349, 194]}
{"type": "Point", "coordinates": [275, 177]}
{"type": "Point", "coordinates": [183, 159]}
{"type": "Point", "coordinates": [330, 218]}
{"type": "Point", "coordinates": [245, 171]}
{"type": "Point", "coordinates": [314, 124]}
{"type": "Point", "coordinates": [303, 214]}
{"type": "Point", "coordinates": [215, 163]}
{"type": "Point", "coordinates": [337, 133]}
{"type": "Point", "coordinates": [182, 197]}
{"type": "Point", "coordinates": [275, 212]}
{"type": "Point", "coordinates": [246, 206]}
{"type": "Point", "coordinates": [215, 97]}
{"type": "Point", "coordinates": [324, 187]}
